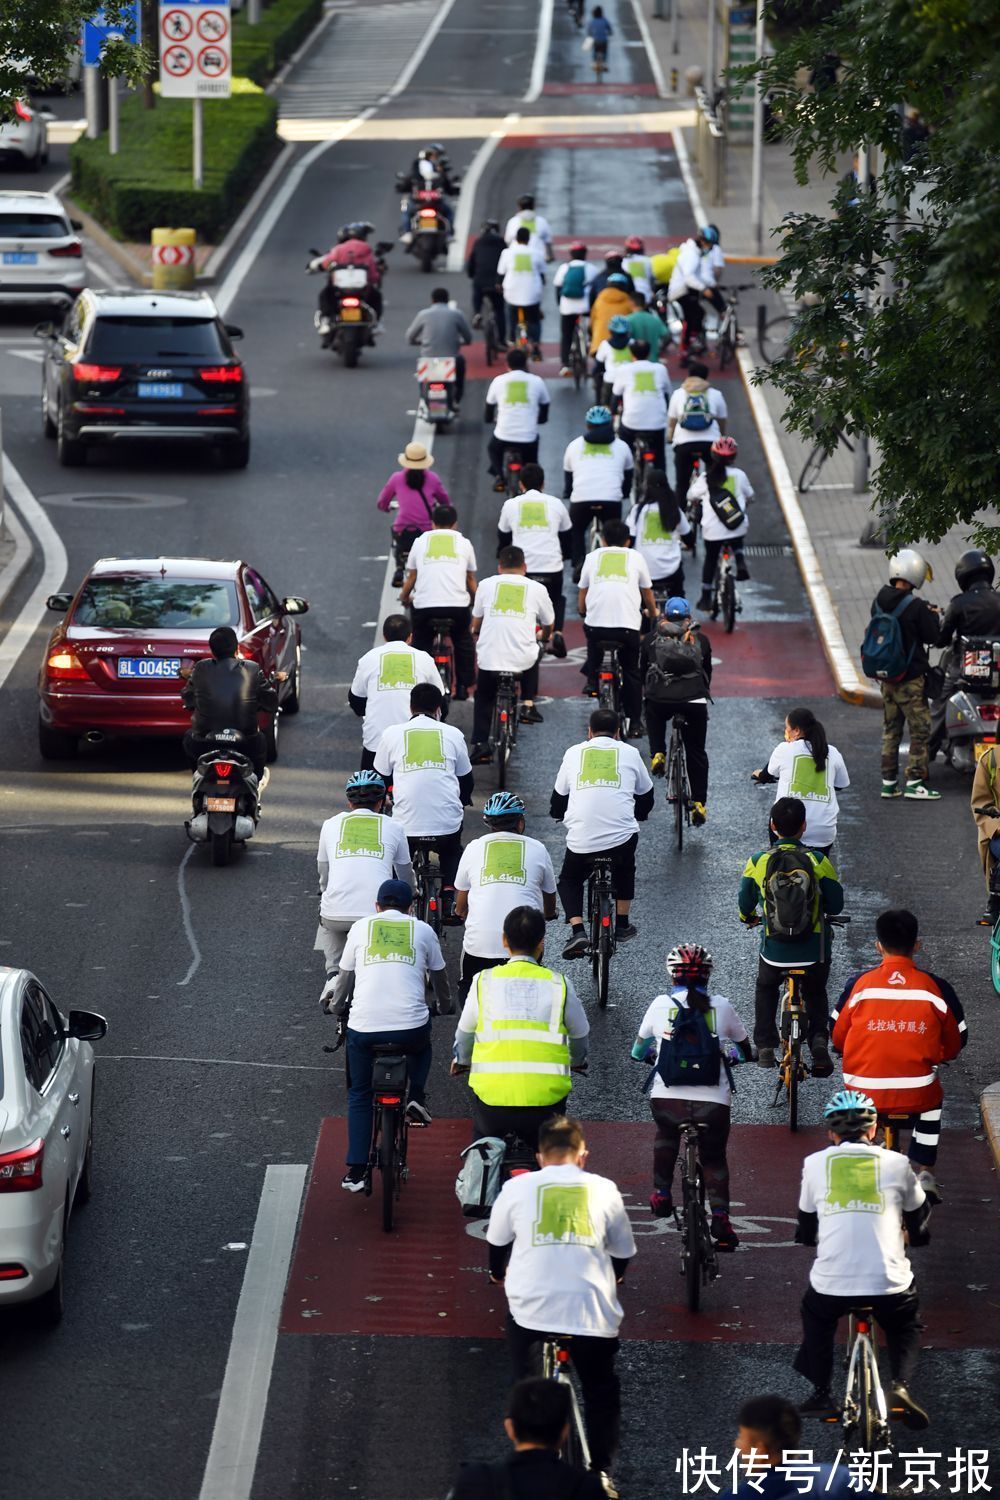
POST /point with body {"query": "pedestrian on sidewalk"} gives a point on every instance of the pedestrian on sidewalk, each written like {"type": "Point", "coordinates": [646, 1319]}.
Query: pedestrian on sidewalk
{"type": "Point", "coordinates": [917, 625]}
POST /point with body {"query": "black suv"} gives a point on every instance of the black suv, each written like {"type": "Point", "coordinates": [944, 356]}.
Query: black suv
{"type": "Point", "coordinates": [144, 366]}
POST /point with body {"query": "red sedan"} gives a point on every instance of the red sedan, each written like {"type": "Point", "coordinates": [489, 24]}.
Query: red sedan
{"type": "Point", "coordinates": [113, 665]}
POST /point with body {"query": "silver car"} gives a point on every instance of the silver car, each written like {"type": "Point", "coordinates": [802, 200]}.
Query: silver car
{"type": "Point", "coordinates": [41, 255]}
{"type": "Point", "coordinates": [26, 136]}
{"type": "Point", "coordinates": [46, 1136]}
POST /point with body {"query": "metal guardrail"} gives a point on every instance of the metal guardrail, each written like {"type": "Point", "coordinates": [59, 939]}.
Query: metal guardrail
{"type": "Point", "coordinates": [710, 148]}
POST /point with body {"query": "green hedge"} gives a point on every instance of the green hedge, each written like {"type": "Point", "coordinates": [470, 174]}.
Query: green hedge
{"type": "Point", "coordinates": [259, 51]}
{"type": "Point", "coordinates": [148, 184]}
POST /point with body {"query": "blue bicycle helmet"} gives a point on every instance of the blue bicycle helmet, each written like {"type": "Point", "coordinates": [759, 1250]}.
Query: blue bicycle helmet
{"type": "Point", "coordinates": [365, 786]}
{"type": "Point", "coordinates": [850, 1113]}
{"type": "Point", "coordinates": [598, 416]}
{"type": "Point", "coordinates": [709, 234]}
{"type": "Point", "coordinates": [677, 608]}
{"type": "Point", "coordinates": [618, 278]}
{"type": "Point", "coordinates": [619, 324]}
{"type": "Point", "coordinates": [503, 805]}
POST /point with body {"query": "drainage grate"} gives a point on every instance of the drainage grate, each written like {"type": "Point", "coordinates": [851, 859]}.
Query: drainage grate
{"type": "Point", "coordinates": [770, 549]}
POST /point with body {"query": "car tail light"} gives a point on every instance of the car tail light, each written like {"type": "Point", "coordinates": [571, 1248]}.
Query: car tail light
{"type": "Point", "coordinates": [245, 651]}
{"type": "Point", "coordinates": [223, 768]}
{"type": "Point", "coordinates": [21, 1171]}
{"type": "Point", "coordinates": [22, 111]}
{"type": "Point", "coordinates": [74, 249]}
{"type": "Point", "coordinates": [215, 411]}
{"type": "Point", "coordinates": [63, 666]}
{"type": "Point", "coordinates": [95, 374]}
{"type": "Point", "coordinates": [98, 411]}
{"type": "Point", "coordinates": [222, 374]}
{"type": "Point", "coordinates": [11, 1271]}
{"type": "Point", "coordinates": [989, 710]}
{"type": "Point", "coordinates": [350, 301]}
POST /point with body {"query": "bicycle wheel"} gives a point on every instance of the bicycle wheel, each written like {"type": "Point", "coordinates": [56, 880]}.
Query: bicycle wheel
{"type": "Point", "coordinates": [604, 963]}
{"type": "Point", "coordinates": [728, 604]}
{"type": "Point", "coordinates": [810, 469]}
{"type": "Point", "coordinates": [503, 756]}
{"type": "Point", "coordinates": [578, 360]}
{"type": "Point", "coordinates": [775, 336]}
{"type": "Point", "coordinates": [868, 1426]}
{"type": "Point", "coordinates": [387, 1164]}
{"type": "Point", "coordinates": [490, 333]}
{"type": "Point", "coordinates": [693, 1209]}
{"type": "Point", "coordinates": [792, 1082]}
{"type": "Point", "coordinates": [727, 343]}
{"type": "Point", "coordinates": [995, 956]}
{"type": "Point", "coordinates": [677, 792]}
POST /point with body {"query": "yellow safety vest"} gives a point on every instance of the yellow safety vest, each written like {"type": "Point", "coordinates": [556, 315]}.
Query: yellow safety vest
{"type": "Point", "coordinates": [520, 1056]}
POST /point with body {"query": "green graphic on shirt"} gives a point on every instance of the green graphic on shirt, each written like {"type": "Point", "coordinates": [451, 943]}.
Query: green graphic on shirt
{"type": "Point", "coordinates": [653, 529]}
{"type": "Point", "coordinates": [807, 782]}
{"type": "Point", "coordinates": [636, 268]}
{"type": "Point", "coordinates": [423, 750]}
{"type": "Point", "coordinates": [563, 1215]}
{"type": "Point", "coordinates": [596, 450]}
{"type": "Point", "coordinates": [504, 864]}
{"type": "Point", "coordinates": [852, 1184]}
{"type": "Point", "coordinates": [612, 564]}
{"type": "Point", "coordinates": [390, 942]}
{"type": "Point", "coordinates": [531, 516]}
{"type": "Point", "coordinates": [509, 599]}
{"type": "Point", "coordinates": [395, 670]}
{"type": "Point", "coordinates": [360, 833]}
{"type": "Point", "coordinates": [441, 544]}
{"type": "Point", "coordinates": [598, 767]}
{"type": "Point", "coordinates": [621, 356]}
{"type": "Point", "coordinates": [515, 393]}
{"type": "Point", "coordinates": [522, 261]}
{"type": "Point", "coordinates": [644, 381]}
{"type": "Point", "coordinates": [729, 483]}
{"type": "Point", "coordinates": [531, 224]}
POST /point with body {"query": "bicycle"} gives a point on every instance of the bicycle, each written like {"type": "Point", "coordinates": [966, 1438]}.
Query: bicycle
{"type": "Point", "coordinates": [599, 59]}
{"type": "Point", "coordinates": [503, 730]}
{"type": "Point", "coordinates": [865, 1413]}
{"type": "Point", "coordinates": [390, 1129]}
{"type": "Point", "coordinates": [493, 340]}
{"type": "Point", "coordinates": [792, 1067]}
{"type": "Point", "coordinates": [699, 1259]}
{"type": "Point", "coordinates": [513, 463]}
{"type": "Point", "coordinates": [725, 597]}
{"type": "Point", "coordinates": [602, 910]}
{"type": "Point", "coordinates": [578, 353]}
{"type": "Point", "coordinates": [773, 335]}
{"type": "Point", "coordinates": [678, 784]}
{"type": "Point", "coordinates": [521, 337]}
{"type": "Point", "coordinates": [610, 682]}
{"type": "Point", "coordinates": [642, 456]}
{"type": "Point", "coordinates": [556, 1359]}
{"type": "Point", "coordinates": [443, 652]}
{"type": "Point", "coordinates": [728, 337]}
{"type": "Point", "coordinates": [815, 461]}
{"type": "Point", "coordinates": [426, 883]}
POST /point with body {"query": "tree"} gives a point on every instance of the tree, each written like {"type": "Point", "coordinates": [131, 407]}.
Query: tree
{"type": "Point", "coordinates": [902, 339]}
{"type": "Point", "coordinates": [38, 38]}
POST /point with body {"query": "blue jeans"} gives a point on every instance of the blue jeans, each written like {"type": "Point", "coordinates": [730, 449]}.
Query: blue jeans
{"type": "Point", "coordinates": [416, 1043]}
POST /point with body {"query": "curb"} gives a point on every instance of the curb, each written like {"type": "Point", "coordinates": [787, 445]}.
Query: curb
{"type": "Point", "coordinates": [110, 246]}
{"type": "Point", "coordinates": [11, 572]}
{"type": "Point", "coordinates": [989, 1107]}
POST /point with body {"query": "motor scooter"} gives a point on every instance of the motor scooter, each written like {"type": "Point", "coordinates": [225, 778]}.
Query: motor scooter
{"type": "Point", "coordinates": [972, 709]}
{"type": "Point", "coordinates": [225, 796]}
{"type": "Point", "coordinates": [436, 378]}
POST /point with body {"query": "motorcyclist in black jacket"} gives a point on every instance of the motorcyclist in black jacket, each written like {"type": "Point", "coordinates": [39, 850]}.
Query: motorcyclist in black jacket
{"type": "Point", "coordinates": [974, 614]}
{"type": "Point", "coordinates": [227, 692]}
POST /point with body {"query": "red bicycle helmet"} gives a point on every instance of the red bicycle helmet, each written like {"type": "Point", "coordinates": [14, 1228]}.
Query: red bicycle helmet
{"type": "Point", "coordinates": [689, 963]}
{"type": "Point", "coordinates": [578, 248]}
{"type": "Point", "coordinates": [634, 244]}
{"type": "Point", "coordinates": [725, 447]}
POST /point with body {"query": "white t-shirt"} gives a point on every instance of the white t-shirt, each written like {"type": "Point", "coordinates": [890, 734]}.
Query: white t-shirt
{"type": "Point", "coordinates": [610, 357]}
{"type": "Point", "coordinates": [526, 218]}
{"type": "Point", "coordinates": [565, 1225]}
{"type": "Point", "coordinates": [713, 262]}
{"type": "Point", "coordinates": [602, 777]}
{"type": "Point", "coordinates": [521, 269]}
{"type": "Point", "coordinates": [385, 677]}
{"type": "Point", "coordinates": [517, 395]}
{"type": "Point", "coordinates": [640, 268]}
{"type": "Point", "coordinates": [859, 1192]}
{"type": "Point", "coordinates": [424, 758]}
{"type": "Point", "coordinates": [569, 305]}
{"type": "Point", "coordinates": [723, 1022]}
{"type": "Point", "coordinates": [661, 549]}
{"type": "Point", "coordinates": [797, 775]}
{"type": "Point", "coordinates": [739, 486]}
{"type": "Point", "coordinates": [598, 469]}
{"type": "Point", "coordinates": [716, 406]}
{"type": "Point", "coordinates": [613, 577]}
{"type": "Point", "coordinates": [644, 387]}
{"type": "Point", "coordinates": [501, 871]}
{"type": "Point", "coordinates": [534, 521]}
{"type": "Point", "coordinates": [441, 559]}
{"type": "Point", "coordinates": [390, 955]}
{"type": "Point", "coordinates": [688, 274]}
{"type": "Point", "coordinates": [510, 606]}
{"type": "Point", "coordinates": [362, 848]}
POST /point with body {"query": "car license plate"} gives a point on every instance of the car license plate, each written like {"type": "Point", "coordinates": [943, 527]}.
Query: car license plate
{"type": "Point", "coordinates": [163, 389]}
{"type": "Point", "coordinates": [20, 258]}
{"type": "Point", "coordinates": [350, 315]}
{"type": "Point", "coordinates": [148, 666]}
{"type": "Point", "coordinates": [220, 804]}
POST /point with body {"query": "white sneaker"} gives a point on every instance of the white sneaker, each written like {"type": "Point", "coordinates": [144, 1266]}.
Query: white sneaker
{"type": "Point", "coordinates": [929, 1184]}
{"type": "Point", "coordinates": [418, 1114]}
{"type": "Point", "coordinates": [406, 239]}
{"type": "Point", "coordinates": [919, 791]}
{"type": "Point", "coordinates": [608, 1485]}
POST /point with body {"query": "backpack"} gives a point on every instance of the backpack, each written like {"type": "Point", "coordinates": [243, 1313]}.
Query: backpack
{"type": "Point", "coordinates": [883, 652]}
{"type": "Point", "coordinates": [574, 283]}
{"type": "Point", "coordinates": [791, 894]}
{"type": "Point", "coordinates": [478, 1183]}
{"type": "Point", "coordinates": [697, 414]}
{"type": "Point", "coordinates": [676, 671]}
{"type": "Point", "coordinates": [727, 508]}
{"type": "Point", "coordinates": [690, 1055]}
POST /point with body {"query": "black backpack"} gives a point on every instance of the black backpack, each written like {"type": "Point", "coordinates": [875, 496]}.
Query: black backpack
{"type": "Point", "coordinates": [727, 508]}
{"type": "Point", "coordinates": [791, 894]}
{"type": "Point", "coordinates": [676, 671]}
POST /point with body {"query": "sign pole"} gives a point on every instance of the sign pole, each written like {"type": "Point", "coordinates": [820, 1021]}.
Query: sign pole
{"type": "Point", "coordinates": [757, 154]}
{"type": "Point", "coordinates": [91, 105]}
{"type": "Point", "coordinates": [199, 142]}
{"type": "Point", "coordinates": [112, 116]}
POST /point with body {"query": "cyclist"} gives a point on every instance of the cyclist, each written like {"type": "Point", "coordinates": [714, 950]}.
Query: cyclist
{"type": "Point", "coordinates": [612, 352]}
{"type": "Point", "coordinates": [904, 698]}
{"type": "Point", "coordinates": [537, 1423]}
{"type": "Point", "coordinates": [358, 850]}
{"type": "Point", "coordinates": [570, 285]}
{"type": "Point", "coordinates": [640, 390]}
{"type": "Point", "coordinates": [521, 269]}
{"type": "Point", "coordinates": [441, 583]}
{"type": "Point", "coordinates": [440, 330]}
{"type": "Point", "coordinates": [510, 610]}
{"type": "Point", "coordinates": [659, 527]}
{"type": "Point", "coordinates": [597, 477]}
{"type": "Point", "coordinates": [769, 1436]}
{"type": "Point", "coordinates": [521, 1032]}
{"type": "Point", "coordinates": [708, 1104]}
{"type": "Point", "coordinates": [646, 323]}
{"type": "Point", "coordinates": [615, 589]}
{"type": "Point", "coordinates": [517, 404]}
{"type": "Point", "coordinates": [637, 264]}
{"type": "Point", "coordinates": [855, 1199]}
{"type": "Point", "coordinates": [416, 489]}
{"type": "Point", "coordinates": [387, 961]}
{"type": "Point", "coordinates": [560, 1243]}
{"type": "Point", "coordinates": [612, 305]}
{"type": "Point", "coordinates": [383, 681]}
{"type": "Point", "coordinates": [539, 524]}
{"type": "Point", "coordinates": [691, 283]}
{"type": "Point", "coordinates": [481, 269]}
{"type": "Point", "coordinates": [676, 668]}
{"type": "Point", "coordinates": [797, 889]}
{"type": "Point", "coordinates": [696, 417]}
{"type": "Point", "coordinates": [600, 30]}
{"type": "Point", "coordinates": [536, 225]}
{"type": "Point", "coordinates": [722, 494]}
{"type": "Point", "coordinates": [428, 765]}
{"type": "Point", "coordinates": [602, 793]}
{"type": "Point", "coordinates": [894, 1025]}
{"type": "Point", "coordinates": [714, 261]}
{"type": "Point", "coordinates": [612, 267]}
{"type": "Point", "coordinates": [499, 871]}
{"type": "Point", "coordinates": [807, 766]}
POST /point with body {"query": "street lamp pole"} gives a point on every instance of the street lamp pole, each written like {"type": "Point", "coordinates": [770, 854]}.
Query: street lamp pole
{"type": "Point", "coordinates": [757, 153]}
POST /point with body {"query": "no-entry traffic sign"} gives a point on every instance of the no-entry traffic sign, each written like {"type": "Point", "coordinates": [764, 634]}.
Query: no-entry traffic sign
{"type": "Point", "coordinates": [195, 49]}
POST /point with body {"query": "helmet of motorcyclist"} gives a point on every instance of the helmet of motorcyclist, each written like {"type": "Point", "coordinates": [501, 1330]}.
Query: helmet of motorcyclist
{"type": "Point", "coordinates": [577, 251]}
{"type": "Point", "coordinates": [974, 566]}
{"type": "Point", "coordinates": [634, 245]}
{"type": "Point", "coordinates": [911, 567]}
{"type": "Point", "coordinates": [725, 447]}
{"type": "Point", "coordinates": [365, 788]}
{"type": "Point", "coordinates": [709, 234]}
{"type": "Point", "coordinates": [526, 200]}
{"type": "Point", "coordinates": [850, 1114]}
{"type": "Point", "coordinates": [503, 811]}
{"type": "Point", "coordinates": [618, 278]}
{"type": "Point", "coordinates": [689, 963]}
{"type": "Point", "coordinates": [437, 147]}
{"type": "Point", "coordinates": [491, 226]}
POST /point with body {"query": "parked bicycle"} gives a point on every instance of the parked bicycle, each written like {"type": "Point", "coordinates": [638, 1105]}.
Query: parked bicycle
{"type": "Point", "coordinates": [728, 337]}
{"type": "Point", "coordinates": [503, 730]}
{"type": "Point", "coordinates": [556, 1360]}
{"type": "Point", "coordinates": [813, 465]}
{"type": "Point", "coordinates": [773, 335]}
{"type": "Point", "coordinates": [602, 907]}
{"type": "Point", "coordinates": [443, 652]}
{"type": "Point", "coordinates": [678, 783]}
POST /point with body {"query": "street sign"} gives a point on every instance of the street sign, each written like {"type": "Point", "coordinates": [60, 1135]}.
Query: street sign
{"type": "Point", "coordinates": [195, 45]}
{"type": "Point", "coordinates": [97, 33]}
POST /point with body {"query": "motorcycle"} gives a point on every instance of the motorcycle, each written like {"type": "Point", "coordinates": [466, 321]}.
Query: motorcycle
{"type": "Point", "coordinates": [352, 326]}
{"type": "Point", "coordinates": [430, 230]}
{"type": "Point", "coordinates": [225, 797]}
{"type": "Point", "coordinates": [972, 710]}
{"type": "Point", "coordinates": [436, 377]}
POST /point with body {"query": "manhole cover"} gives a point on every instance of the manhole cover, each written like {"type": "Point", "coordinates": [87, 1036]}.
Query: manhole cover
{"type": "Point", "coordinates": [103, 500]}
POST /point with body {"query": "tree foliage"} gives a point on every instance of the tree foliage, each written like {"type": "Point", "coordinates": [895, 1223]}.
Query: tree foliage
{"type": "Point", "coordinates": [902, 337]}
{"type": "Point", "coordinates": [39, 37]}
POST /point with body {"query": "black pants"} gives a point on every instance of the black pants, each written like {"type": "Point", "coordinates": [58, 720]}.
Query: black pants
{"type": "Point", "coordinates": [329, 300]}
{"type": "Point", "coordinates": [669, 1115]}
{"type": "Point", "coordinates": [684, 457]}
{"type": "Point", "coordinates": [581, 513]}
{"type": "Point", "coordinates": [693, 733]}
{"type": "Point", "coordinates": [472, 965]}
{"type": "Point", "coordinates": [480, 294]}
{"type": "Point", "coordinates": [594, 1362]}
{"type": "Point", "coordinates": [712, 550]}
{"type": "Point", "coordinates": [567, 325]}
{"type": "Point", "coordinates": [525, 1121]}
{"type": "Point", "coordinates": [691, 304]}
{"type": "Point", "coordinates": [532, 322]}
{"type": "Point", "coordinates": [367, 759]}
{"type": "Point", "coordinates": [459, 377]}
{"type": "Point", "coordinates": [497, 448]}
{"type": "Point", "coordinates": [552, 583]}
{"type": "Point", "coordinates": [486, 695]}
{"type": "Point", "coordinates": [577, 867]}
{"type": "Point", "coordinates": [447, 847]}
{"type": "Point", "coordinates": [253, 746]}
{"type": "Point", "coordinates": [627, 642]}
{"type": "Point", "coordinates": [461, 638]}
{"type": "Point", "coordinates": [769, 979]}
{"type": "Point", "coordinates": [653, 442]}
{"type": "Point", "coordinates": [896, 1314]}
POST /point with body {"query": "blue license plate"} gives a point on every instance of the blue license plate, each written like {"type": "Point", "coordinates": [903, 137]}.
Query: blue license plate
{"type": "Point", "coordinates": [162, 389]}
{"type": "Point", "coordinates": [148, 666]}
{"type": "Point", "coordinates": [20, 258]}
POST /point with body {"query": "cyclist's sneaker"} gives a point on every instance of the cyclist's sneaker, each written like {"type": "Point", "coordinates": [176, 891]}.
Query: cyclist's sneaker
{"type": "Point", "coordinates": [723, 1233]}
{"type": "Point", "coordinates": [418, 1114]}
{"type": "Point", "coordinates": [397, 579]}
{"type": "Point", "coordinates": [499, 485]}
{"type": "Point", "coordinates": [661, 1205]}
{"type": "Point", "coordinates": [705, 602]}
{"type": "Point", "coordinates": [353, 1180]}
{"type": "Point", "coordinates": [903, 1408]}
{"type": "Point", "coordinates": [989, 916]}
{"type": "Point", "coordinates": [576, 570]}
{"type": "Point", "coordinates": [461, 694]}
{"type": "Point", "coordinates": [699, 816]}
{"type": "Point", "coordinates": [477, 321]}
{"type": "Point", "coordinates": [625, 932]}
{"type": "Point", "coordinates": [480, 755]}
{"type": "Point", "coordinates": [820, 1404]}
{"type": "Point", "coordinates": [578, 944]}
{"type": "Point", "coordinates": [448, 914]}
{"type": "Point", "coordinates": [326, 993]}
{"type": "Point", "coordinates": [565, 370]}
{"type": "Point", "coordinates": [590, 688]}
{"type": "Point", "coordinates": [659, 764]}
{"type": "Point", "coordinates": [536, 352]}
{"type": "Point", "coordinates": [557, 646]}
{"type": "Point", "coordinates": [766, 1057]}
{"type": "Point", "coordinates": [406, 238]}
{"type": "Point", "coordinates": [891, 789]}
{"type": "Point", "coordinates": [822, 1064]}
{"type": "Point", "coordinates": [919, 791]}
{"type": "Point", "coordinates": [529, 715]}
{"type": "Point", "coordinates": [929, 1184]}
{"type": "Point", "coordinates": [634, 729]}
{"type": "Point", "coordinates": [742, 571]}
{"type": "Point", "coordinates": [608, 1485]}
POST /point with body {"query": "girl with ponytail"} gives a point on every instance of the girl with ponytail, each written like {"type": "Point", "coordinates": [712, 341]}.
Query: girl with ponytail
{"type": "Point", "coordinates": [807, 766]}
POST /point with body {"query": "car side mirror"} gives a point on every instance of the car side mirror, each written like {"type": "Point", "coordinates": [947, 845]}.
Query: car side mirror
{"type": "Point", "coordinates": [294, 606]}
{"type": "Point", "coordinates": [86, 1026]}
{"type": "Point", "coordinates": [44, 330]}
{"type": "Point", "coordinates": [233, 331]}
{"type": "Point", "coordinates": [59, 602]}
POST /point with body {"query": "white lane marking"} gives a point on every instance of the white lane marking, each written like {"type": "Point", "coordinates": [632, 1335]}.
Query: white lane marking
{"type": "Point", "coordinates": [215, 1062]}
{"type": "Point", "coordinates": [53, 573]}
{"type": "Point", "coordinates": [239, 1421]}
{"type": "Point", "coordinates": [470, 187]}
{"type": "Point", "coordinates": [647, 42]}
{"type": "Point", "coordinates": [541, 57]}
{"type": "Point", "coordinates": [195, 963]}
{"type": "Point", "coordinates": [423, 47]}
{"type": "Point", "coordinates": [690, 186]}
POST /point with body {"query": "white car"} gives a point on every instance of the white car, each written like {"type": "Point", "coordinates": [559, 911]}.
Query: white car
{"type": "Point", "coordinates": [46, 1136]}
{"type": "Point", "coordinates": [41, 257]}
{"type": "Point", "coordinates": [27, 135]}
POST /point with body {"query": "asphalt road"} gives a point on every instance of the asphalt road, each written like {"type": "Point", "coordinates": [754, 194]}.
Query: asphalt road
{"type": "Point", "coordinates": [213, 1070]}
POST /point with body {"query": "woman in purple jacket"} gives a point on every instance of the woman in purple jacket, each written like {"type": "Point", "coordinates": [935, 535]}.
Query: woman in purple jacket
{"type": "Point", "coordinates": [416, 489]}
